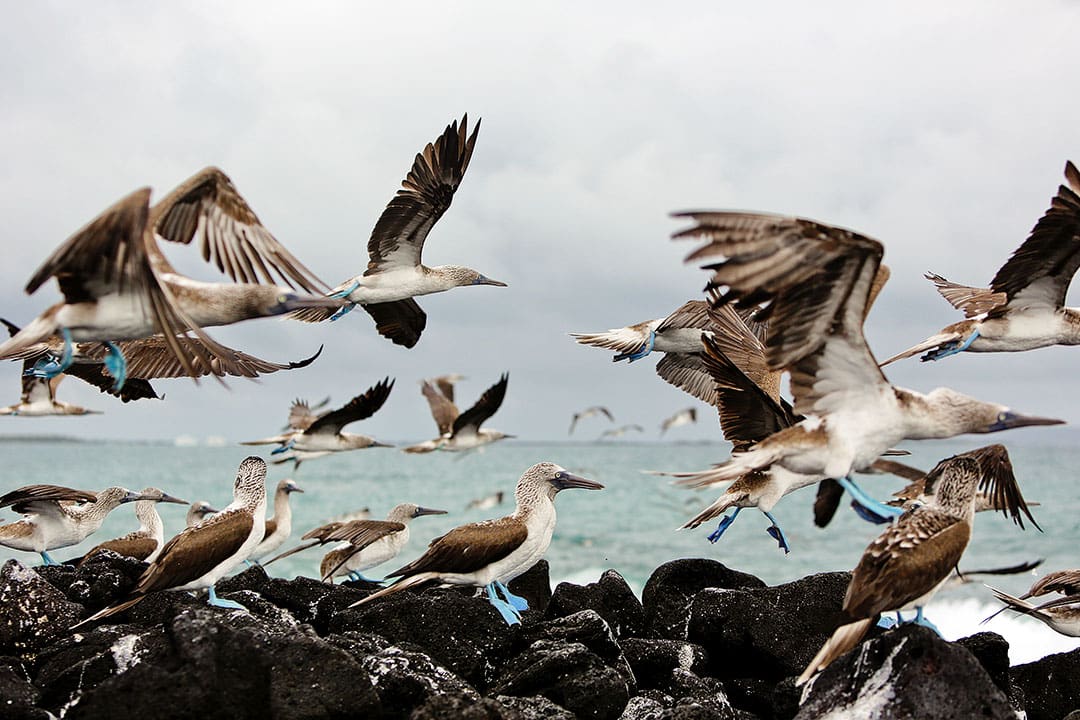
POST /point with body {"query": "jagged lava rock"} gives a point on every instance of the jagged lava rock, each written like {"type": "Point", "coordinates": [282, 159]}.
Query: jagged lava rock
{"type": "Point", "coordinates": [311, 601]}
{"type": "Point", "coordinates": [654, 661]}
{"type": "Point", "coordinates": [768, 632]}
{"type": "Point", "coordinates": [589, 629]}
{"type": "Point", "coordinates": [668, 594]}
{"type": "Point", "coordinates": [461, 707]}
{"type": "Point", "coordinates": [610, 597]}
{"type": "Point", "coordinates": [405, 679]}
{"type": "Point", "coordinates": [253, 579]}
{"type": "Point", "coordinates": [18, 696]}
{"type": "Point", "coordinates": [992, 651]}
{"type": "Point", "coordinates": [106, 578]}
{"type": "Point", "coordinates": [1051, 685]}
{"type": "Point", "coordinates": [908, 673]}
{"type": "Point", "coordinates": [32, 612]}
{"type": "Point", "coordinates": [536, 707]}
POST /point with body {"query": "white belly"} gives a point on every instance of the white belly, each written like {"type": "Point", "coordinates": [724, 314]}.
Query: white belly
{"type": "Point", "coordinates": [112, 317]}
{"type": "Point", "coordinates": [395, 285]}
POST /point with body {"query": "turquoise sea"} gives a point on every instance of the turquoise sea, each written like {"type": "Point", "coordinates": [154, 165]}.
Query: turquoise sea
{"type": "Point", "coordinates": [629, 526]}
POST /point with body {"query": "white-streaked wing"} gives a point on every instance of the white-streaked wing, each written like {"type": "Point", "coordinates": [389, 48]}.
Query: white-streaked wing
{"type": "Point", "coordinates": [628, 339]}
{"type": "Point", "coordinates": [971, 301]}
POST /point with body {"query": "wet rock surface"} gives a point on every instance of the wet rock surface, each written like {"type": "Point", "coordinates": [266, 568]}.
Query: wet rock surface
{"type": "Point", "coordinates": [706, 642]}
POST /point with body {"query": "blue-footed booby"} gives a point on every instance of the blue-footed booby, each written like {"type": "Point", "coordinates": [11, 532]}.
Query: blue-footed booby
{"type": "Point", "coordinates": [198, 512]}
{"type": "Point", "coordinates": [57, 517]}
{"type": "Point", "coordinates": [146, 542]}
{"type": "Point", "coordinates": [324, 436]}
{"type": "Point", "coordinates": [812, 283]}
{"type": "Point", "coordinates": [682, 417]}
{"type": "Point", "coordinates": [620, 431]}
{"type": "Point", "coordinates": [39, 398]}
{"type": "Point", "coordinates": [395, 273]}
{"type": "Point", "coordinates": [203, 554]}
{"type": "Point", "coordinates": [1061, 614]}
{"type": "Point", "coordinates": [588, 413]}
{"type": "Point", "coordinates": [1024, 307]}
{"type": "Point", "coordinates": [490, 554]}
{"type": "Point", "coordinates": [487, 502]}
{"type": "Point", "coordinates": [278, 528]}
{"type": "Point", "coordinates": [464, 431]}
{"type": "Point", "coordinates": [905, 565]}
{"type": "Point", "coordinates": [118, 285]}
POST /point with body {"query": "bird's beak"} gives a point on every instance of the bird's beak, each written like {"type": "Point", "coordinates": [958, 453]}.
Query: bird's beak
{"type": "Point", "coordinates": [165, 497]}
{"type": "Point", "coordinates": [483, 280]}
{"type": "Point", "coordinates": [208, 510]}
{"type": "Point", "coordinates": [427, 511]}
{"type": "Point", "coordinates": [133, 496]}
{"type": "Point", "coordinates": [296, 488]}
{"type": "Point", "coordinates": [1008, 419]}
{"type": "Point", "coordinates": [564, 480]}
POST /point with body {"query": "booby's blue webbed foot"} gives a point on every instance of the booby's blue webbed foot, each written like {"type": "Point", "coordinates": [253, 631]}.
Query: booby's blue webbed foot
{"type": "Point", "coordinates": [346, 292]}
{"type": "Point", "coordinates": [632, 356]}
{"type": "Point", "coordinates": [886, 622]}
{"type": "Point", "coordinates": [46, 559]}
{"type": "Point", "coordinates": [342, 311]}
{"type": "Point", "coordinates": [516, 601]}
{"type": "Point", "coordinates": [46, 368]}
{"type": "Point", "coordinates": [116, 365]}
{"type": "Point", "coordinates": [867, 507]}
{"type": "Point", "coordinates": [214, 600]}
{"type": "Point", "coordinates": [920, 620]}
{"type": "Point", "coordinates": [284, 448]}
{"type": "Point", "coordinates": [777, 533]}
{"type": "Point", "coordinates": [725, 523]}
{"type": "Point", "coordinates": [509, 614]}
{"type": "Point", "coordinates": [951, 348]}
{"type": "Point", "coordinates": [357, 577]}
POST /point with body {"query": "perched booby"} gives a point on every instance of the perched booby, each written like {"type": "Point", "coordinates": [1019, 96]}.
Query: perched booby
{"type": "Point", "coordinates": [279, 527]}
{"type": "Point", "coordinates": [683, 417]}
{"type": "Point", "coordinates": [324, 436]}
{"type": "Point", "coordinates": [464, 431]}
{"type": "Point", "coordinates": [817, 281]}
{"type": "Point", "coordinates": [1024, 307]}
{"type": "Point", "coordinates": [203, 554]}
{"type": "Point", "coordinates": [117, 284]}
{"type": "Point", "coordinates": [487, 502]}
{"type": "Point", "coordinates": [905, 565]}
{"type": "Point", "coordinates": [395, 273]}
{"type": "Point", "coordinates": [197, 512]}
{"type": "Point", "coordinates": [364, 543]}
{"type": "Point", "coordinates": [57, 517]}
{"type": "Point", "coordinates": [490, 554]}
{"type": "Point", "coordinates": [146, 542]}
{"type": "Point", "coordinates": [588, 413]}
{"type": "Point", "coordinates": [1062, 614]}
{"type": "Point", "coordinates": [620, 431]}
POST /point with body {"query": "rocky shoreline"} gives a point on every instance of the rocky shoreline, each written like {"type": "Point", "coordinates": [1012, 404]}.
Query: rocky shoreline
{"type": "Point", "coordinates": [705, 642]}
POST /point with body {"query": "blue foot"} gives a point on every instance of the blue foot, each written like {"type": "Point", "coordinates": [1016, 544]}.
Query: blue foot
{"type": "Point", "coordinates": [649, 344]}
{"type": "Point", "coordinates": [951, 348]}
{"type": "Point", "coordinates": [46, 559]}
{"type": "Point", "coordinates": [516, 601]}
{"type": "Point", "coordinates": [777, 534]}
{"type": "Point", "coordinates": [346, 292]}
{"type": "Point", "coordinates": [116, 365]}
{"type": "Point", "coordinates": [342, 311]}
{"type": "Point", "coordinates": [886, 622]}
{"type": "Point", "coordinates": [509, 614]}
{"type": "Point", "coordinates": [45, 368]}
{"type": "Point", "coordinates": [920, 620]}
{"type": "Point", "coordinates": [876, 512]}
{"type": "Point", "coordinates": [357, 577]}
{"type": "Point", "coordinates": [284, 448]}
{"type": "Point", "coordinates": [725, 523]}
{"type": "Point", "coordinates": [222, 603]}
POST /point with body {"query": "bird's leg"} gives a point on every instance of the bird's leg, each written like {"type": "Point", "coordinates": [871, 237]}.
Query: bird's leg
{"type": "Point", "coordinates": [516, 601]}
{"type": "Point", "coordinates": [283, 448]}
{"type": "Point", "coordinates": [725, 523]}
{"type": "Point", "coordinates": [777, 533]}
{"type": "Point", "coordinates": [887, 622]}
{"type": "Point", "coordinates": [920, 620]}
{"type": "Point", "coordinates": [46, 559]}
{"type": "Point", "coordinates": [358, 577]}
{"type": "Point", "coordinates": [867, 507]}
{"type": "Point", "coordinates": [649, 344]}
{"type": "Point", "coordinates": [347, 307]}
{"type": "Point", "coordinates": [951, 348]}
{"type": "Point", "coordinates": [509, 614]}
{"type": "Point", "coordinates": [45, 368]}
{"type": "Point", "coordinates": [116, 365]}
{"type": "Point", "coordinates": [214, 600]}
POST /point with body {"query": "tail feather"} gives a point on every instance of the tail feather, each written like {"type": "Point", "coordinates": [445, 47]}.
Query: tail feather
{"type": "Point", "coordinates": [313, 314]}
{"type": "Point", "coordinates": [115, 609]}
{"type": "Point", "coordinates": [400, 585]}
{"type": "Point", "coordinates": [21, 345]}
{"type": "Point", "coordinates": [716, 475]}
{"type": "Point", "coordinates": [1011, 603]}
{"type": "Point", "coordinates": [287, 553]}
{"type": "Point", "coordinates": [724, 503]}
{"type": "Point", "coordinates": [930, 343]}
{"type": "Point", "coordinates": [276, 440]}
{"type": "Point", "coordinates": [843, 639]}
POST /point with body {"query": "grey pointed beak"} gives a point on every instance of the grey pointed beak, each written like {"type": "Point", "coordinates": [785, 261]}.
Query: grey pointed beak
{"type": "Point", "coordinates": [133, 496]}
{"type": "Point", "coordinates": [296, 488]}
{"type": "Point", "coordinates": [427, 511]}
{"type": "Point", "coordinates": [165, 497]}
{"type": "Point", "coordinates": [564, 480]}
{"type": "Point", "coordinates": [484, 280]}
{"type": "Point", "coordinates": [1008, 420]}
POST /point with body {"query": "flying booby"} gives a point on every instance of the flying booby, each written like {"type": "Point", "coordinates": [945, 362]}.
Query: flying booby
{"type": "Point", "coordinates": [278, 528]}
{"type": "Point", "coordinates": [817, 281]}
{"type": "Point", "coordinates": [57, 517]}
{"type": "Point", "coordinates": [620, 431]}
{"type": "Point", "coordinates": [1024, 307]}
{"type": "Point", "coordinates": [464, 431]}
{"type": "Point", "coordinates": [324, 436]}
{"type": "Point", "coordinates": [395, 273]}
{"type": "Point", "coordinates": [146, 542]}
{"type": "Point", "coordinates": [1061, 614]}
{"type": "Point", "coordinates": [905, 565]}
{"type": "Point", "coordinates": [683, 417]}
{"type": "Point", "coordinates": [203, 554]}
{"type": "Point", "coordinates": [197, 512]}
{"type": "Point", "coordinates": [588, 413]}
{"type": "Point", "coordinates": [39, 399]}
{"type": "Point", "coordinates": [490, 554]}
{"type": "Point", "coordinates": [117, 284]}
{"type": "Point", "coordinates": [487, 502]}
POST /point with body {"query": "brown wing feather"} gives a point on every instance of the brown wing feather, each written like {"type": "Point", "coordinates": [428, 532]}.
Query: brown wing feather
{"type": "Point", "coordinates": [360, 407]}
{"type": "Point", "coordinates": [153, 357]}
{"type": "Point", "coordinates": [196, 551]}
{"type": "Point", "coordinates": [484, 408]}
{"type": "Point", "coordinates": [829, 494]}
{"type": "Point", "coordinates": [692, 314]}
{"type": "Point", "coordinates": [1066, 582]}
{"type": "Point", "coordinates": [134, 547]}
{"type": "Point", "coordinates": [361, 533]}
{"type": "Point", "coordinates": [687, 372]}
{"type": "Point", "coordinates": [401, 321]}
{"type": "Point", "coordinates": [21, 499]}
{"type": "Point", "coordinates": [468, 548]}
{"type": "Point", "coordinates": [443, 409]}
{"type": "Point", "coordinates": [971, 301]}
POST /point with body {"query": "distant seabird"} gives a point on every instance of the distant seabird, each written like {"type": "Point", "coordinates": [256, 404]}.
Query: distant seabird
{"type": "Point", "coordinates": [683, 417]}
{"type": "Point", "coordinates": [146, 542]}
{"type": "Point", "coordinates": [57, 517]}
{"type": "Point", "coordinates": [197, 512]}
{"type": "Point", "coordinates": [279, 527]}
{"type": "Point", "coordinates": [588, 413]}
{"type": "Point", "coordinates": [620, 431]}
{"type": "Point", "coordinates": [117, 284]}
{"type": "Point", "coordinates": [490, 554]}
{"type": "Point", "coordinates": [487, 502]}
{"type": "Point", "coordinates": [1024, 307]}
{"type": "Point", "coordinates": [465, 432]}
{"type": "Point", "coordinates": [39, 398]}
{"type": "Point", "coordinates": [817, 281]}
{"type": "Point", "coordinates": [395, 273]}
{"type": "Point", "coordinates": [439, 392]}
{"type": "Point", "coordinates": [905, 565]}
{"type": "Point", "coordinates": [203, 554]}
{"type": "Point", "coordinates": [1062, 614]}
{"type": "Point", "coordinates": [324, 436]}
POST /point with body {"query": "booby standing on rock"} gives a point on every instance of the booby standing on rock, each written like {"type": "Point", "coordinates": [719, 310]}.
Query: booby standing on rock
{"type": "Point", "coordinates": [465, 432]}
{"type": "Point", "coordinates": [57, 517]}
{"type": "Point", "coordinates": [146, 542]}
{"type": "Point", "coordinates": [1024, 307]}
{"type": "Point", "coordinates": [279, 527]}
{"type": "Point", "coordinates": [490, 554]}
{"type": "Point", "coordinates": [203, 554]}
{"type": "Point", "coordinates": [197, 512]}
{"type": "Point", "coordinates": [395, 273]}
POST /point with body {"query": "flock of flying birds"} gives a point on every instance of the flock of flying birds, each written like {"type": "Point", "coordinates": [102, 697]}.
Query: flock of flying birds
{"type": "Point", "coordinates": [785, 295]}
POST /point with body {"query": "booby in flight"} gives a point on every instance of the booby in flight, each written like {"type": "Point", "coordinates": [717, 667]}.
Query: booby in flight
{"type": "Point", "coordinates": [278, 528]}
{"type": "Point", "coordinates": [146, 542]}
{"type": "Point", "coordinates": [1024, 307]}
{"type": "Point", "coordinates": [588, 413]}
{"type": "Point", "coordinates": [1061, 614]}
{"type": "Point", "coordinates": [57, 517]}
{"type": "Point", "coordinates": [203, 554]}
{"type": "Point", "coordinates": [117, 284]}
{"type": "Point", "coordinates": [682, 417]}
{"type": "Point", "coordinates": [395, 273]}
{"type": "Point", "coordinates": [490, 554]}
{"type": "Point", "coordinates": [487, 502]}
{"type": "Point", "coordinates": [464, 431]}
{"type": "Point", "coordinates": [620, 431]}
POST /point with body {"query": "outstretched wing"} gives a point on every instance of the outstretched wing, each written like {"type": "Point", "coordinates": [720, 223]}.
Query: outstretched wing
{"type": "Point", "coordinates": [484, 408]}
{"type": "Point", "coordinates": [360, 407]}
{"type": "Point", "coordinates": [443, 409]}
{"type": "Point", "coordinates": [31, 499]}
{"type": "Point", "coordinates": [971, 301]}
{"type": "Point", "coordinates": [153, 357]}
{"type": "Point", "coordinates": [401, 321]}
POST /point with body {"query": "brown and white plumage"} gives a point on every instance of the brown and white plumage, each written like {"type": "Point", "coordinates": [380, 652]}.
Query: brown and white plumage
{"type": "Point", "coordinates": [198, 512]}
{"type": "Point", "coordinates": [678, 419]}
{"type": "Point", "coordinates": [588, 413]}
{"type": "Point", "coordinates": [464, 431]}
{"type": "Point", "coordinates": [277, 529]}
{"type": "Point", "coordinates": [1061, 614]}
{"type": "Point", "coordinates": [146, 542]}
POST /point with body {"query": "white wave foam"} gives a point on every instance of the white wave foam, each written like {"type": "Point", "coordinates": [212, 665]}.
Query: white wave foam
{"type": "Point", "coordinates": [1028, 638]}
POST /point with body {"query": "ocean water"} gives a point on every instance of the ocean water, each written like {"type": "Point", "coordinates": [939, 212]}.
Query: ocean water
{"type": "Point", "coordinates": [629, 526]}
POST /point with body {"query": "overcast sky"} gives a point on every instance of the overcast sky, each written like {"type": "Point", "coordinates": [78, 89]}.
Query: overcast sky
{"type": "Point", "coordinates": [941, 130]}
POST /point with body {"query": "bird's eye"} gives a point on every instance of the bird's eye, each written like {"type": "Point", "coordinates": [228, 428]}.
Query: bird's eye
{"type": "Point", "coordinates": [1002, 416]}
{"type": "Point", "coordinates": [282, 298]}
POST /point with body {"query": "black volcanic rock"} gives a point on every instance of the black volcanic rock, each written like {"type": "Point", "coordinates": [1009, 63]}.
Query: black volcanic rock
{"type": "Point", "coordinates": [253, 578]}
{"type": "Point", "coordinates": [536, 707]}
{"type": "Point", "coordinates": [655, 661]}
{"type": "Point", "coordinates": [906, 673]}
{"type": "Point", "coordinates": [589, 629]}
{"type": "Point", "coordinates": [610, 597]}
{"type": "Point", "coordinates": [463, 707]}
{"type": "Point", "coordinates": [106, 578]}
{"type": "Point", "coordinates": [1051, 685]}
{"type": "Point", "coordinates": [32, 612]}
{"type": "Point", "coordinates": [18, 696]}
{"type": "Point", "coordinates": [668, 593]}
{"type": "Point", "coordinates": [992, 651]}
{"type": "Point", "coordinates": [311, 601]}
{"type": "Point", "coordinates": [535, 586]}
{"type": "Point", "coordinates": [405, 680]}
{"type": "Point", "coordinates": [310, 678]}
